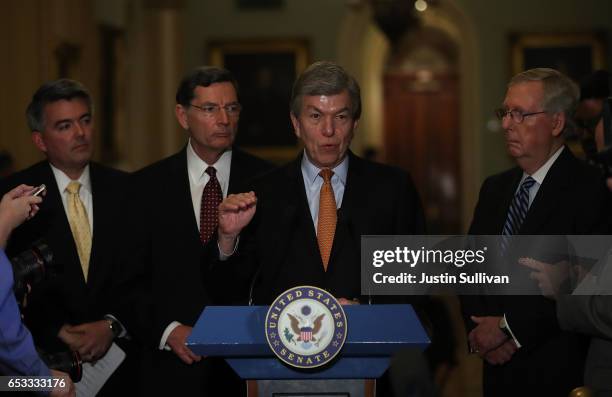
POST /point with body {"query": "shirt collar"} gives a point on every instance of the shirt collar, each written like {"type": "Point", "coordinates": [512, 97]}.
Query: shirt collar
{"type": "Point", "coordinates": [311, 171]}
{"type": "Point", "coordinates": [63, 180]}
{"type": "Point", "coordinates": [196, 166]}
{"type": "Point", "coordinates": [540, 174]}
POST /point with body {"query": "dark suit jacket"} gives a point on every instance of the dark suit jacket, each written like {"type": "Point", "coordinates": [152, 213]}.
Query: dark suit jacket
{"type": "Point", "coordinates": [67, 298]}
{"type": "Point", "coordinates": [280, 243]}
{"type": "Point", "coordinates": [571, 200]}
{"type": "Point", "coordinates": [167, 255]}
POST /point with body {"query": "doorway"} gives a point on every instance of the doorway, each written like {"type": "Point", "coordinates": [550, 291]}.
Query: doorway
{"type": "Point", "coordinates": [422, 126]}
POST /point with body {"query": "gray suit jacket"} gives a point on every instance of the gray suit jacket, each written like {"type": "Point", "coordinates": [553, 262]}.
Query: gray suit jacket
{"type": "Point", "coordinates": [591, 315]}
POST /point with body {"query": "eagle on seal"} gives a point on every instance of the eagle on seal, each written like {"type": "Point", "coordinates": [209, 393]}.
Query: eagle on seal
{"type": "Point", "coordinates": [301, 327]}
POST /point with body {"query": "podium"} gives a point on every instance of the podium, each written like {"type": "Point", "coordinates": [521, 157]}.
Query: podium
{"type": "Point", "coordinates": [375, 333]}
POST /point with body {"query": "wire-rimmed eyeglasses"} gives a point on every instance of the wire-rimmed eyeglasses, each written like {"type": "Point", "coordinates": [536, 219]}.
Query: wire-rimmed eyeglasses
{"type": "Point", "coordinates": [516, 115]}
{"type": "Point", "coordinates": [212, 110]}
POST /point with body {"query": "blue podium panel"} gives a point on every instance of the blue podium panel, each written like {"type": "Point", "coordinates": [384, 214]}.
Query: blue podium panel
{"type": "Point", "coordinates": [344, 368]}
{"type": "Point", "coordinates": [373, 330]}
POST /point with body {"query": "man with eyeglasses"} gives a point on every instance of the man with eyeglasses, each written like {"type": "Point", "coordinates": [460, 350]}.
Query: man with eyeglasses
{"type": "Point", "coordinates": [550, 192]}
{"type": "Point", "coordinates": [174, 228]}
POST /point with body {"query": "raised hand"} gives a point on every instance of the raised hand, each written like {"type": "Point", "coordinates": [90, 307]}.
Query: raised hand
{"type": "Point", "coordinates": [235, 213]}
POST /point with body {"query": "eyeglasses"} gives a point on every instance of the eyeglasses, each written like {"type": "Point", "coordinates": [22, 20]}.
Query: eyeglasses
{"type": "Point", "coordinates": [516, 115]}
{"type": "Point", "coordinates": [232, 110]}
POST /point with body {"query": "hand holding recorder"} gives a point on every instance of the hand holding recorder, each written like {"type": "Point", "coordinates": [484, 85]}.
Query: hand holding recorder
{"type": "Point", "coordinates": [16, 206]}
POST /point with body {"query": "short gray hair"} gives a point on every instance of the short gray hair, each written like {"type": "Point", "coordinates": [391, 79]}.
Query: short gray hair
{"type": "Point", "coordinates": [53, 91]}
{"type": "Point", "coordinates": [326, 78]}
{"type": "Point", "coordinates": [561, 94]}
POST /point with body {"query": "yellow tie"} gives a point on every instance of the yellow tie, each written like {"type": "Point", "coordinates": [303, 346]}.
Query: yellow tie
{"type": "Point", "coordinates": [327, 217]}
{"type": "Point", "coordinates": [79, 225]}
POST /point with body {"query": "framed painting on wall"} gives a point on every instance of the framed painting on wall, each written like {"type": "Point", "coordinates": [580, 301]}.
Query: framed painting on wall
{"type": "Point", "coordinates": [574, 54]}
{"type": "Point", "coordinates": [265, 70]}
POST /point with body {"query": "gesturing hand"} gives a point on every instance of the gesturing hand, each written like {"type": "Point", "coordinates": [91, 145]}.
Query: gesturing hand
{"type": "Point", "coordinates": [235, 212]}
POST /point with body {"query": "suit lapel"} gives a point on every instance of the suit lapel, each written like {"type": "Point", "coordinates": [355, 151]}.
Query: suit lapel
{"type": "Point", "coordinates": [506, 196]}
{"type": "Point", "coordinates": [106, 217]}
{"type": "Point", "coordinates": [100, 217]}
{"type": "Point", "coordinates": [349, 225]}
{"type": "Point", "coordinates": [58, 232]}
{"type": "Point", "coordinates": [544, 204]}
{"type": "Point", "coordinates": [180, 198]}
{"type": "Point", "coordinates": [292, 204]}
{"type": "Point", "coordinates": [237, 172]}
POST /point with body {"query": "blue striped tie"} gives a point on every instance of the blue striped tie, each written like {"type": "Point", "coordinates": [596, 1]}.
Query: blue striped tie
{"type": "Point", "coordinates": [517, 212]}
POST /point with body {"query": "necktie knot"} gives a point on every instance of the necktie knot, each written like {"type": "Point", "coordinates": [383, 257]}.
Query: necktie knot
{"type": "Point", "coordinates": [326, 174]}
{"type": "Point", "coordinates": [211, 171]}
{"type": "Point", "coordinates": [73, 187]}
{"type": "Point", "coordinates": [527, 183]}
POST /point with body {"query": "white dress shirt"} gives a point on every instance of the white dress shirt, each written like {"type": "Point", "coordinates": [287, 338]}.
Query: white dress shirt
{"type": "Point", "coordinates": [539, 176]}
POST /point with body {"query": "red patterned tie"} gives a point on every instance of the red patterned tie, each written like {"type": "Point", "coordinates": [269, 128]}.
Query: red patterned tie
{"type": "Point", "coordinates": [209, 208]}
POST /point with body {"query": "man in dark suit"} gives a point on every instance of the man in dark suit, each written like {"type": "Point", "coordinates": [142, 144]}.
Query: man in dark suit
{"type": "Point", "coordinates": [77, 221]}
{"type": "Point", "coordinates": [175, 227]}
{"type": "Point", "coordinates": [550, 192]}
{"type": "Point", "coordinates": [305, 220]}
{"type": "Point", "coordinates": [288, 241]}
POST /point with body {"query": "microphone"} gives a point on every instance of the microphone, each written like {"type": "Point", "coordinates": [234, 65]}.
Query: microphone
{"type": "Point", "coordinates": [252, 286]}
{"type": "Point", "coordinates": [343, 218]}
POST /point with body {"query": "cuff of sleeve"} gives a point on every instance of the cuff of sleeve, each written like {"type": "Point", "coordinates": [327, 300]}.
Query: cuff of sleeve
{"type": "Point", "coordinates": [162, 343]}
{"type": "Point", "coordinates": [222, 255]}
{"type": "Point", "coordinates": [123, 333]}
{"type": "Point", "coordinates": [518, 344]}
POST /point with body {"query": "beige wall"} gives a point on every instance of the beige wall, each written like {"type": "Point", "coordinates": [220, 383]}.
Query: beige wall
{"type": "Point", "coordinates": [31, 30]}
{"type": "Point", "coordinates": [493, 21]}
{"type": "Point", "coordinates": [165, 38]}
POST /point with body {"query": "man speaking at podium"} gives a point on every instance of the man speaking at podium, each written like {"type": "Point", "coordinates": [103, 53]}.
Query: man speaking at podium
{"type": "Point", "coordinates": [302, 223]}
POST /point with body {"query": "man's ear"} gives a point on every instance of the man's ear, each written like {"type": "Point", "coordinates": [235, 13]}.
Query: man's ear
{"type": "Point", "coordinates": [39, 142]}
{"type": "Point", "coordinates": [558, 123]}
{"type": "Point", "coordinates": [181, 116]}
{"type": "Point", "coordinates": [296, 125]}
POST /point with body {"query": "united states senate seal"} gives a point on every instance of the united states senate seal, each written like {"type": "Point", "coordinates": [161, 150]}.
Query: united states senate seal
{"type": "Point", "coordinates": [306, 327]}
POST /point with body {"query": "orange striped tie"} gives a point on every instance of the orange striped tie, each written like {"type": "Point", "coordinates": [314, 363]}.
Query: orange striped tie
{"type": "Point", "coordinates": [327, 217]}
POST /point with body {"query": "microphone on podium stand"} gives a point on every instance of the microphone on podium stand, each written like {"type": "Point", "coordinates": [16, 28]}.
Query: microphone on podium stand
{"type": "Point", "coordinates": [252, 286]}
